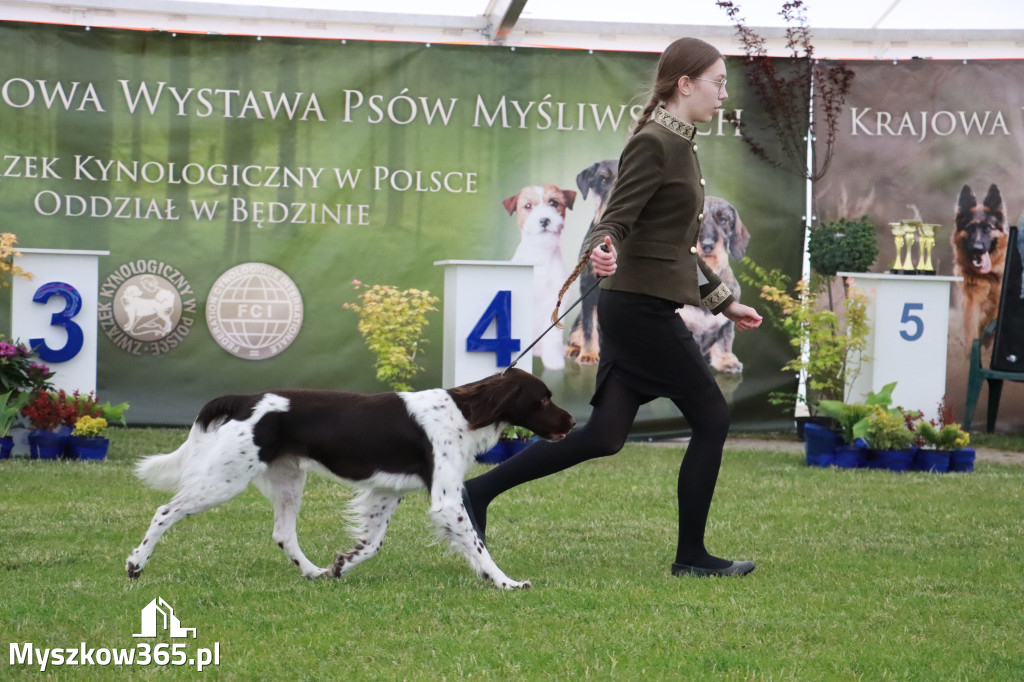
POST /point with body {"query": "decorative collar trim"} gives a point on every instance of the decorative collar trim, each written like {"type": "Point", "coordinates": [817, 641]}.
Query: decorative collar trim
{"type": "Point", "coordinates": [677, 126]}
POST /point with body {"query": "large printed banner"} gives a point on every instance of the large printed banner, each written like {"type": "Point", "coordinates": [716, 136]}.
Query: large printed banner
{"type": "Point", "coordinates": [936, 141]}
{"type": "Point", "coordinates": [241, 185]}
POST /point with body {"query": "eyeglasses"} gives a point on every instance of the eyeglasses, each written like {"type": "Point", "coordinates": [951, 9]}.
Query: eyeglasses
{"type": "Point", "coordinates": [720, 84]}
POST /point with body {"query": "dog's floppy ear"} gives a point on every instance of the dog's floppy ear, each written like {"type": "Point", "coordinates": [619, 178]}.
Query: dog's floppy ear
{"type": "Point", "coordinates": [485, 402]}
{"type": "Point", "coordinates": [586, 178]}
{"type": "Point", "coordinates": [510, 203]}
{"type": "Point", "coordinates": [739, 238]}
{"type": "Point", "coordinates": [994, 204]}
{"type": "Point", "coordinates": [965, 208]}
{"type": "Point", "coordinates": [570, 197]}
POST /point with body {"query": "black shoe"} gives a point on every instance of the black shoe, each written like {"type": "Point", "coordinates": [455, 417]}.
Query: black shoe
{"type": "Point", "coordinates": [472, 519]}
{"type": "Point", "coordinates": [736, 568]}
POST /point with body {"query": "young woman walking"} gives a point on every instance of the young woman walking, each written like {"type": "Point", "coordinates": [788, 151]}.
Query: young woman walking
{"type": "Point", "coordinates": [651, 268]}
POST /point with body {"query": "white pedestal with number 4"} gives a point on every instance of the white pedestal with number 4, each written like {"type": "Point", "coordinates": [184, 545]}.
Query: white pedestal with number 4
{"type": "Point", "coordinates": [488, 319]}
{"type": "Point", "coordinates": [909, 320]}
{"type": "Point", "coordinates": [55, 312]}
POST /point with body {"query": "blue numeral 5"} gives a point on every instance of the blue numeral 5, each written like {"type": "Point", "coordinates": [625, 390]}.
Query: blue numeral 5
{"type": "Point", "coordinates": [915, 319]}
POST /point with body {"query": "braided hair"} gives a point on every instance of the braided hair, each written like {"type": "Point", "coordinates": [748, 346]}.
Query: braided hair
{"type": "Point", "coordinates": [683, 57]}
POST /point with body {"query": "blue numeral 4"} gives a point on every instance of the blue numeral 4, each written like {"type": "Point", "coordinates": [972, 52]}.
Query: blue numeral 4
{"type": "Point", "coordinates": [499, 310]}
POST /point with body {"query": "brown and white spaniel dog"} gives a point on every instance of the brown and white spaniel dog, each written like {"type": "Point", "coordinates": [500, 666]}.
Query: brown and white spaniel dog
{"type": "Point", "coordinates": [384, 445]}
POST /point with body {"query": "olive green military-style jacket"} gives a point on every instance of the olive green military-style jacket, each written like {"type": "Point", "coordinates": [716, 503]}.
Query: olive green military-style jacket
{"type": "Point", "coordinates": [654, 217]}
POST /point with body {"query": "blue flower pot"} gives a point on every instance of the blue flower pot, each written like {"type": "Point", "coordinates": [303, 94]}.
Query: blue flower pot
{"type": "Point", "coordinates": [851, 457]}
{"type": "Point", "coordinates": [46, 444]}
{"type": "Point", "coordinates": [820, 445]}
{"type": "Point", "coordinates": [6, 445]}
{"type": "Point", "coordinates": [962, 460]}
{"type": "Point", "coordinates": [89, 448]}
{"type": "Point", "coordinates": [932, 460]}
{"type": "Point", "coordinates": [503, 450]}
{"type": "Point", "coordinates": [894, 460]}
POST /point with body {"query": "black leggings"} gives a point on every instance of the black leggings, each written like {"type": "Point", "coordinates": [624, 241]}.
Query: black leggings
{"type": "Point", "coordinates": [604, 434]}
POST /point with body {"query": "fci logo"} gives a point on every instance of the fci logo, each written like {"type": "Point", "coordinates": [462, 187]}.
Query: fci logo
{"type": "Point", "coordinates": [158, 613]}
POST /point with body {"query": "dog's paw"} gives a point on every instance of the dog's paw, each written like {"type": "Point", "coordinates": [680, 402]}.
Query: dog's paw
{"type": "Point", "coordinates": [588, 358]}
{"type": "Point", "coordinates": [572, 351]}
{"type": "Point", "coordinates": [134, 571]}
{"type": "Point", "coordinates": [317, 573]}
{"type": "Point", "coordinates": [514, 585]}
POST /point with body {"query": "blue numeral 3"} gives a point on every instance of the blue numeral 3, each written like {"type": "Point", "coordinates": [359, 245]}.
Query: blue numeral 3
{"type": "Point", "coordinates": [64, 318]}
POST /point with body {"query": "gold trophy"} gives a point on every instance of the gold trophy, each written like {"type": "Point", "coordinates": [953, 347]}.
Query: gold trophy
{"type": "Point", "coordinates": [898, 230]}
{"type": "Point", "coordinates": [924, 261]}
{"type": "Point", "coordinates": [910, 236]}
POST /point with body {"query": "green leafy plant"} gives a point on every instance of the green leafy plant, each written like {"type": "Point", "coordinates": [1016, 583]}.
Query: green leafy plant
{"type": "Point", "coordinates": [887, 430]}
{"type": "Point", "coordinates": [391, 321]}
{"type": "Point", "coordinates": [948, 437]}
{"type": "Point", "coordinates": [842, 245]}
{"type": "Point", "coordinates": [835, 344]}
{"type": "Point", "coordinates": [852, 417]}
{"type": "Point", "coordinates": [114, 412]}
{"type": "Point", "coordinates": [11, 404]}
{"type": "Point", "coordinates": [516, 433]}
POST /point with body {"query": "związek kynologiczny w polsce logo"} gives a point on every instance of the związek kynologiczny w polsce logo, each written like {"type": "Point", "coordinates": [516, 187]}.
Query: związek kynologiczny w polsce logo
{"type": "Point", "coordinates": [157, 618]}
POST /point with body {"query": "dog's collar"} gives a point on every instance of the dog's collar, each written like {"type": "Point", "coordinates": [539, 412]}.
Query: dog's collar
{"type": "Point", "coordinates": [677, 126]}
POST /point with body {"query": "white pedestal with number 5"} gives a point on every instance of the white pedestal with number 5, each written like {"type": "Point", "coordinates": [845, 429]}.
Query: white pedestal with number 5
{"type": "Point", "coordinates": [488, 320]}
{"type": "Point", "coordinates": [55, 312]}
{"type": "Point", "coordinates": [909, 321]}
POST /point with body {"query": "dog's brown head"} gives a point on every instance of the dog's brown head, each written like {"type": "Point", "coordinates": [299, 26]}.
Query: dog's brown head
{"type": "Point", "coordinates": [980, 237]}
{"type": "Point", "coordinates": [515, 397]}
{"type": "Point", "coordinates": [722, 233]}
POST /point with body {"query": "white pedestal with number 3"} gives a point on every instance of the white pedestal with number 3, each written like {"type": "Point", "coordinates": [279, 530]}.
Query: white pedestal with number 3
{"type": "Point", "coordinates": [909, 320]}
{"type": "Point", "coordinates": [56, 313]}
{"type": "Point", "coordinates": [488, 318]}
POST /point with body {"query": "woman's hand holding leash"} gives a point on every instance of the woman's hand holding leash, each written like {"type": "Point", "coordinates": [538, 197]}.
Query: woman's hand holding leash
{"type": "Point", "coordinates": [604, 259]}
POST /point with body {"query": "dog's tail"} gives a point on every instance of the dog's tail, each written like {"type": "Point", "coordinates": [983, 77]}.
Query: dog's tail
{"type": "Point", "coordinates": [165, 472]}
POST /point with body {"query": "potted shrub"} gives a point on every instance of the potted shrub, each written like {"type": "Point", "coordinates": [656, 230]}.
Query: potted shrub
{"type": "Point", "coordinates": [851, 420]}
{"type": "Point", "coordinates": [391, 321]}
{"type": "Point", "coordinates": [52, 416]}
{"type": "Point", "coordinates": [940, 442]}
{"type": "Point", "coordinates": [87, 441]}
{"type": "Point", "coordinates": [889, 438]}
{"type": "Point", "coordinates": [842, 246]}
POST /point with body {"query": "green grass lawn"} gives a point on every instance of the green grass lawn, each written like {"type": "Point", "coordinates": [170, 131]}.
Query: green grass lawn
{"type": "Point", "coordinates": [862, 575]}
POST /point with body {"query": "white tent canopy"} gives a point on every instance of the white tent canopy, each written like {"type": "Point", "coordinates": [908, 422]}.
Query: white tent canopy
{"type": "Point", "coordinates": [868, 29]}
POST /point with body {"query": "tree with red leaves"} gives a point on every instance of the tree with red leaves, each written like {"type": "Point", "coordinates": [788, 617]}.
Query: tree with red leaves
{"type": "Point", "coordinates": [797, 103]}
